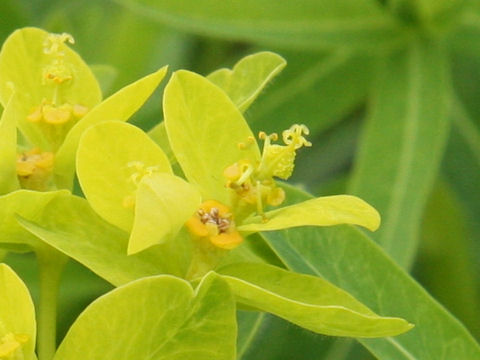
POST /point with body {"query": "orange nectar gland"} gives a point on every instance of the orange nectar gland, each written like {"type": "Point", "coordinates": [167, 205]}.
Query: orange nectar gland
{"type": "Point", "coordinates": [253, 183]}
{"type": "Point", "coordinates": [214, 221]}
{"type": "Point", "coordinates": [10, 345]}
{"type": "Point", "coordinates": [34, 169]}
{"type": "Point", "coordinates": [56, 115]}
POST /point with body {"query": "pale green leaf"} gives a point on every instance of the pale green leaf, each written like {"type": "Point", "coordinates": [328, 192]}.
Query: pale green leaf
{"type": "Point", "coordinates": [26, 203]}
{"type": "Point", "coordinates": [119, 107]}
{"type": "Point", "coordinates": [163, 204]}
{"type": "Point", "coordinates": [8, 147]}
{"type": "Point", "coordinates": [17, 314]}
{"type": "Point", "coordinates": [403, 143]}
{"type": "Point", "coordinates": [205, 128]}
{"type": "Point", "coordinates": [248, 77]}
{"type": "Point", "coordinates": [22, 62]}
{"type": "Point", "coordinates": [102, 247]}
{"type": "Point", "coordinates": [322, 211]}
{"type": "Point", "coordinates": [301, 25]}
{"type": "Point", "coordinates": [112, 157]}
{"type": "Point", "coordinates": [346, 257]}
{"type": "Point", "coordinates": [307, 301]}
{"type": "Point", "coordinates": [156, 318]}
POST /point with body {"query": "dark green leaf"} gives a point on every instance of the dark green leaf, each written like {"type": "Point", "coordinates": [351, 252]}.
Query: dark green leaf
{"type": "Point", "coordinates": [346, 257]}
{"type": "Point", "coordinates": [303, 24]}
{"type": "Point", "coordinates": [403, 144]}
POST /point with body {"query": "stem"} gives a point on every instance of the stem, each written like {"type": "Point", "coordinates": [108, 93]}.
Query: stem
{"type": "Point", "coordinates": [50, 263]}
{"type": "Point", "coordinates": [205, 257]}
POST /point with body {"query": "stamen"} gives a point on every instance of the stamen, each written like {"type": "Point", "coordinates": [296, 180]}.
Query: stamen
{"type": "Point", "coordinates": [245, 145]}
{"type": "Point", "coordinates": [214, 221]}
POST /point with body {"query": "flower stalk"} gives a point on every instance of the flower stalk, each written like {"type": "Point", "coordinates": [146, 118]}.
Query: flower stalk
{"type": "Point", "coordinates": [51, 264]}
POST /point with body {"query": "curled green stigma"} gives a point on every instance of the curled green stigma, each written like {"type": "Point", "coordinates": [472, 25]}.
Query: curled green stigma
{"type": "Point", "coordinates": [278, 160]}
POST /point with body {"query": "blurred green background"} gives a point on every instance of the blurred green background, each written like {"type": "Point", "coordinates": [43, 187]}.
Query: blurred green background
{"type": "Point", "coordinates": [389, 89]}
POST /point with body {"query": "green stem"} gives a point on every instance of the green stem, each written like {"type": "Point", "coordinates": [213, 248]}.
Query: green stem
{"type": "Point", "coordinates": [205, 257]}
{"type": "Point", "coordinates": [50, 263]}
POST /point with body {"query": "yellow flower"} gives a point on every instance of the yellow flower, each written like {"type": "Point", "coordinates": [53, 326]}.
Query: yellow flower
{"type": "Point", "coordinates": [230, 185]}
{"type": "Point", "coordinates": [218, 153]}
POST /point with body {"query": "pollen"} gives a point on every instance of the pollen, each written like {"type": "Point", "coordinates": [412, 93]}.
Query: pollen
{"type": "Point", "coordinates": [214, 221]}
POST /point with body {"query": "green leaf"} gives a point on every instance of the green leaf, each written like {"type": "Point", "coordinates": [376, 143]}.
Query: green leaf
{"type": "Point", "coordinates": [448, 275]}
{"type": "Point", "coordinates": [267, 337]}
{"type": "Point", "coordinates": [322, 211]}
{"type": "Point", "coordinates": [8, 147]}
{"type": "Point", "coordinates": [156, 318]}
{"type": "Point", "coordinates": [22, 63]}
{"type": "Point", "coordinates": [307, 301]}
{"type": "Point", "coordinates": [315, 89]}
{"type": "Point", "coordinates": [159, 135]}
{"type": "Point", "coordinates": [102, 247]}
{"type": "Point", "coordinates": [28, 204]}
{"type": "Point", "coordinates": [164, 203]}
{"type": "Point", "coordinates": [466, 128]}
{"type": "Point", "coordinates": [112, 158]}
{"type": "Point", "coordinates": [204, 128]}
{"type": "Point", "coordinates": [403, 143]}
{"type": "Point", "coordinates": [436, 13]}
{"type": "Point", "coordinates": [303, 25]}
{"type": "Point", "coordinates": [106, 75]}
{"type": "Point", "coordinates": [347, 258]}
{"type": "Point", "coordinates": [120, 106]}
{"type": "Point", "coordinates": [465, 36]}
{"type": "Point", "coordinates": [17, 317]}
{"type": "Point", "coordinates": [248, 77]}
